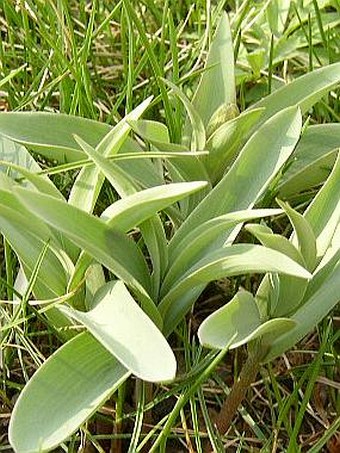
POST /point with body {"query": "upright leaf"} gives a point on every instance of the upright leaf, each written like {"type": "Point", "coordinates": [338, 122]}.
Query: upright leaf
{"type": "Point", "coordinates": [250, 174]}
{"type": "Point", "coordinates": [217, 84]}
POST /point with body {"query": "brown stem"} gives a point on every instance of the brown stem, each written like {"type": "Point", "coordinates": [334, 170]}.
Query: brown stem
{"type": "Point", "coordinates": [238, 392]}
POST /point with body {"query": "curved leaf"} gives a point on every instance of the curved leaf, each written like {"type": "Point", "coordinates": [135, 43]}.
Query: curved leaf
{"type": "Point", "coordinates": [312, 161]}
{"type": "Point", "coordinates": [107, 245]}
{"type": "Point", "coordinates": [226, 141]}
{"type": "Point", "coordinates": [238, 322]}
{"type": "Point", "coordinates": [198, 242]}
{"type": "Point", "coordinates": [304, 91]}
{"type": "Point", "coordinates": [122, 327]}
{"type": "Point", "coordinates": [232, 260]}
{"type": "Point", "coordinates": [63, 394]}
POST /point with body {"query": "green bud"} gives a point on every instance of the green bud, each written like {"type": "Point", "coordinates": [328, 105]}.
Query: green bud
{"type": "Point", "coordinates": [224, 113]}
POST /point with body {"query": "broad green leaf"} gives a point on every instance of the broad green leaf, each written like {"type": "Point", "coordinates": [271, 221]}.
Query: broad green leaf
{"type": "Point", "coordinates": [304, 91]}
{"type": "Point", "coordinates": [189, 167]}
{"type": "Point", "coordinates": [232, 260]}
{"type": "Point", "coordinates": [107, 245]}
{"type": "Point", "coordinates": [122, 327]}
{"type": "Point", "coordinates": [238, 322]}
{"type": "Point", "coordinates": [226, 141]}
{"type": "Point", "coordinates": [27, 236]}
{"type": "Point", "coordinates": [304, 237]}
{"type": "Point", "coordinates": [13, 153]}
{"type": "Point", "coordinates": [262, 156]}
{"type": "Point", "coordinates": [198, 131]}
{"type": "Point", "coordinates": [135, 209]}
{"type": "Point", "coordinates": [290, 288]}
{"type": "Point", "coordinates": [233, 323]}
{"type": "Point", "coordinates": [198, 242]}
{"type": "Point", "coordinates": [323, 214]}
{"type": "Point", "coordinates": [39, 182]}
{"type": "Point", "coordinates": [66, 390]}
{"type": "Point", "coordinates": [217, 84]}
{"type": "Point", "coordinates": [52, 134]}
{"type": "Point", "coordinates": [17, 162]}
{"type": "Point", "coordinates": [130, 211]}
{"type": "Point", "coordinates": [314, 158]}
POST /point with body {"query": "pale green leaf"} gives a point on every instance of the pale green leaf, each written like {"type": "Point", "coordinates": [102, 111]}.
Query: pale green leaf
{"type": "Point", "coordinates": [217, 84]}
{"type": "Point", "coordinates": [198, 242]}
{"type": "Point", "coordinates": [275, 242]}
{"type": "Point", "coordinates": [314, 158]}
{"type": "Point", "coordinates": [304, 91]}
{"type": "Point", "coordinates": [27, 236]}
{"type": "Point", "coordinates": [122, 327]}
{"type": "Point", "coordinates": [107, 245]}
{"type": "Point", "coordinates": [304, 237]}
{"type": "Point", "coordinates": [66, 390]}
{"type": "Point", "coordinates": [233, 260]}
{"type": "Point", "coordinates": [311, 312]}
{"type": "Point", "coordinates": [152, 131]}
{"type": "Point", "coordinates": [232, 323]}
{"type": "Point", "coordinates": [85, 190]}
{"type": "Point", "coordinates": [246, 181]}
{"type": "Point", "coordinates": [134, 209]}
{"type": "Point", "coordinates": [323, 214]}
{"type": "Point", "coordinates": [238, 322]}
{"type": "Point", "coordinates": [52, 134]}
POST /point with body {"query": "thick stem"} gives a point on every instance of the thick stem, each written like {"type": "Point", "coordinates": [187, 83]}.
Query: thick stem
{"type": "Point", "coordinates": [238, 392]}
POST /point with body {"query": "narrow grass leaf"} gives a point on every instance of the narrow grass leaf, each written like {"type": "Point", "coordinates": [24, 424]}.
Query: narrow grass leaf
{"type": "Point", "coordinates": [198, 131]}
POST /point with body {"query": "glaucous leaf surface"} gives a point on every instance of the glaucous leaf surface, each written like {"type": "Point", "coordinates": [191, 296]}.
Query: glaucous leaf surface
{"type": "Point", "coordinates": [66, 390]}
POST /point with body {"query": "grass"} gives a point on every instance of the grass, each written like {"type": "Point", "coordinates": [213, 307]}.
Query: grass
{"type": "Point", "coordinates": [100, 61]}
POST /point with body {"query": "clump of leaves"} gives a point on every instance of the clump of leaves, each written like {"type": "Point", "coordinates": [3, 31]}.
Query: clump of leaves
{"type": "Point", "coordinates": [128, 296]}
